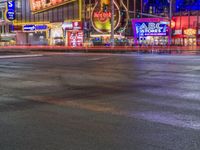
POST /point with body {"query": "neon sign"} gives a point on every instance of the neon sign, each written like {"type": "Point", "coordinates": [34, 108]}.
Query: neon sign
{"type": "Point", "coordinates": [190, 32]}
{"type": "Point", "coordinates": [32, 28]}
{"type": "Point", "coordinates": [151, 29]}
{"type": "Point", "coordinates": [76, 25]}
{"type": "Point", "coordinates": [42, 5]}
{"type": "Point", "coordinates": [75, 38]}
{"type": "Point", "coordinates": [101, 16]}
{"type": "Point", "coordinates": [10, 14]}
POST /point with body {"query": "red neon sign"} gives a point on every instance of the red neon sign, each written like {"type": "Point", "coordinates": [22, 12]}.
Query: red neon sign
{"type": "Point", "coordinates": [102, 16]}
{"type": "Point", "coordinates": [75, 38]}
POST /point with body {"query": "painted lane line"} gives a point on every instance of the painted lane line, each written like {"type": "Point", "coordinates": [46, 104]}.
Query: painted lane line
{"type": "Point", "coordinates": [20, 56]}
{"type": "Point", "coordinates": [98, 58]}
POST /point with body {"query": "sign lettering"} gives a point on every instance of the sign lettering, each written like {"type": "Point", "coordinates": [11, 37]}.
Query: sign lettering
{"type": "Point", "coordinates": [151, 28]}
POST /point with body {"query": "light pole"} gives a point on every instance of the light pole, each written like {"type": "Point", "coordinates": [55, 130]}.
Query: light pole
{"type": "Point", "coordinates": [112, 23]}
{"type": "Point", "coordinates": [170, 19]}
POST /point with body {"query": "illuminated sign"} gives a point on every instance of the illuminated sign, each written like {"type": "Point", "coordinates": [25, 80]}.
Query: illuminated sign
{"type": "Point", "coordinates": [190, 32]}
{"type": "Point", "coordinates": [10, 14]}
{"type": "Point", "coordinates": [75, 38]}
{"type": "Point", "coordinates": [41, 27]}
{"type": "Point", "coordinates": [42, 5]}
{"type": "Point", "coordinates": [29, 28]}
{"type": "Point", "coordinates": [76, 25]}
{"type": "Point", "coordinates": [177, 32]}
{"type": "Point", "coordinates": [151, 29]}
{"type": "Point", "coordinates": [101, 16]}
{"type": "Point", "coordinates": [32, 28]}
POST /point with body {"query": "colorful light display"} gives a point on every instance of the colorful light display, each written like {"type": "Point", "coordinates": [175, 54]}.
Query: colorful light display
{"type": "Point", "coordinates": [150, 28]}
{"type": "Point", "coordinates": [75, 38]}
{"type": "Point", "coordinates": [147, 28]}
{"type": "Point", "coordinates": [101, 16]}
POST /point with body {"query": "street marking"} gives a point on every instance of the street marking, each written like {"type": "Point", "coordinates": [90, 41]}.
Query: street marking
{"type": "Point", "coordinates": [20, 56]}
{"type": "Point", "coordinates": [98, 58]}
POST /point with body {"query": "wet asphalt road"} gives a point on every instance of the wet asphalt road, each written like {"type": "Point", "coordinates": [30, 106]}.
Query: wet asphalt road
{"type": "Point", "coordinates": [100, 102]}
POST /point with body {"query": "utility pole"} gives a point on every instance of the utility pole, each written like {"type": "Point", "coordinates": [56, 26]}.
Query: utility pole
{"type": "Point", "coordinates": [170, 19]}
{"type": "Point", "coordinates": [112, 23]}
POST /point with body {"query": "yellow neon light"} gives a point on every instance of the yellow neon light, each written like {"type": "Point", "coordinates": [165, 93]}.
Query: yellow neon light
{"type": "Point", "coordinates": [190, 32]}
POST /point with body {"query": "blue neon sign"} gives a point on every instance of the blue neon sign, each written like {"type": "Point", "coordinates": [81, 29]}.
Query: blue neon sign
{"type": "Point", "coordinates": [11, 5]}
{"type": "Point", "coordinates": [29, 28]}
{"type": "Point", "coordinates": [151, 29]}
{"type": "Point", "coordinates": [32, 27]}
{"type": "Point", "coordinates": [10, 14]}
{"type": "Point", "coordinates": [41, 27]}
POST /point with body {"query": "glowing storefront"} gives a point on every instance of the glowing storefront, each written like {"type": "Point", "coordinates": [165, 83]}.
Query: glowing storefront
{"type": "Point", "coordinates": [151, 31]}
{"type": "Point", "coordinates": [101, 20]}
{"type": "Point", "coordinates": [187, 19]}
{"type": "Point", "coordinates": [186, 31]}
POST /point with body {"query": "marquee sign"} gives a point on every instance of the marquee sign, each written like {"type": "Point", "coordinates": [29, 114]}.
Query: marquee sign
{"type": "Point", "coordinates": [151, 29]}
{"type": "Point", "coordinates": [10, 14]}
{"type": "Point", "coordinates": [42, 5]}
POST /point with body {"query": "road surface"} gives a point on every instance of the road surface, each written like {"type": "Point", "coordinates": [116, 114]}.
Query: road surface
{"type": "Point", "coordinates": [100, 102]}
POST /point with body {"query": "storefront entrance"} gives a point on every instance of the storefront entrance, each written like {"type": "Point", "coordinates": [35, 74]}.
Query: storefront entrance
{"type": "Point", "coordinates": [153, 40]}
{"type": "Point", "coordinates": [190, 41]}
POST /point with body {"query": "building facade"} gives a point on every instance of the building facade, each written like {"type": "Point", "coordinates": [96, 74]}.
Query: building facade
{"type": "Point", "coordinates": [43, 22]}
{"type": "Point", "coordinates": [187, 23]}
{"type": "Point", "coordinates": [184, 27]}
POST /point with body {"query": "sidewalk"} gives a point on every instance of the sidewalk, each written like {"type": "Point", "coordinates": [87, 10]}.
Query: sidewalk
{"type": "Point", "coordinates": [152, 49]}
